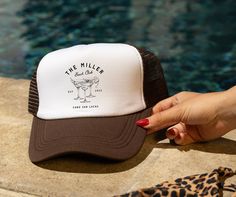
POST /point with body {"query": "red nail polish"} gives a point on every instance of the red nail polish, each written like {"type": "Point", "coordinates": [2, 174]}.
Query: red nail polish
{"type": "Point", "coordinates": [143, 122]}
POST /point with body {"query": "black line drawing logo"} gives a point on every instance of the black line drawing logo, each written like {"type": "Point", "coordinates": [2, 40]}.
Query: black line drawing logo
{"type": "Point", "coordinates": [84, 86]}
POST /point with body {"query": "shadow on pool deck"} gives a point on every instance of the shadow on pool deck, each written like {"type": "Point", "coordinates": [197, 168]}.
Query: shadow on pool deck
{"type": "Point", "coordinates": [221, 146]}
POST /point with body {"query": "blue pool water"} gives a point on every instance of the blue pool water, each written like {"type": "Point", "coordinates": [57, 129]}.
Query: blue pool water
{"type": "Point", "coordinates": [195, 40]}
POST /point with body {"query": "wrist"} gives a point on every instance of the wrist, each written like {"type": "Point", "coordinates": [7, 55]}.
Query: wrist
{"type": "Point", "coordinates": [226, 108]}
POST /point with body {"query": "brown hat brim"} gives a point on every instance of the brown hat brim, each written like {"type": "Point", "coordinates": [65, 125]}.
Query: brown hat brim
{"type": "Point", "coordinates": [115, 138]}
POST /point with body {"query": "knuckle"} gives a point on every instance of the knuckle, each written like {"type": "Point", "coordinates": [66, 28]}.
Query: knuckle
{"type": "Point", "coordinates": [183, 93]}
{"type": "Point", "coordinates": [175, 99]}
{"type": "Point", "coordinates": [177, 117]}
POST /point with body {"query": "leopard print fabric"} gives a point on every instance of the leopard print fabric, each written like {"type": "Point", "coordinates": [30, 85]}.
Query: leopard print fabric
{"type": "Point", "coordinates": [207, 184]}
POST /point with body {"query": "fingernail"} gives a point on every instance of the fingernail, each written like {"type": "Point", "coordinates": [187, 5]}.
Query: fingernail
{"type": "Point", "coordinates": [171, 132]}
{"type": "Point", "coordinates": [142, 122]}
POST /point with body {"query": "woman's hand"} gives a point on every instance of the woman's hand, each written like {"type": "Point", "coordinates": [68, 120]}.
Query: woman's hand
{"type": "Point", "coordinates": [193, 117]}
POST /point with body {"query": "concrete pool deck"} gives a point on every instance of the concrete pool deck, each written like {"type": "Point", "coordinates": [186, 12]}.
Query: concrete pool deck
{"type": "Point", "coordinates": [82, 176]}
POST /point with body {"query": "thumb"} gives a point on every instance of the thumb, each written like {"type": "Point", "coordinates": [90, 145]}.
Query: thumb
{"type": "Point", "coordinates": [164, 118]}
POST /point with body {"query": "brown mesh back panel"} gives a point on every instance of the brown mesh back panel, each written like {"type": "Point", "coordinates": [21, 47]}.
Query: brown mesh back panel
{"type": "Point", "coordinates": [153, 77]}
{"type": "Point", "coordinates": [33, 102]}
{"type": "Point", "coordinates": [155, 88]}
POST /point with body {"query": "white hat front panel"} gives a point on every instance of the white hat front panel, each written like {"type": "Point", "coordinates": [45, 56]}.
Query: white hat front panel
{"type": "Point", "coordinates": [93, 80]}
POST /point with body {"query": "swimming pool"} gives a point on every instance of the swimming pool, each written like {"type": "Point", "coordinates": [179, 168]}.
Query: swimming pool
{"type": "Point", "coordinates": [195, 40]}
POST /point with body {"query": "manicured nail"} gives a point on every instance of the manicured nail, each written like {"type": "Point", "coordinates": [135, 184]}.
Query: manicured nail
{"type": "Point", "coordinates": [171, 132]}
{"type": "Point", "coordinates": [143, 122]}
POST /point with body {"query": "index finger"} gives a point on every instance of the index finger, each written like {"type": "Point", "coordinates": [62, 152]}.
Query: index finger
{"type": "Point", "coordinates": [165, 104]}
{"type": "Point", "coordinates": [173, 100]}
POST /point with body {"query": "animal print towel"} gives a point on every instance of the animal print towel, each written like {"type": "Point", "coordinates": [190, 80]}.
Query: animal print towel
{"type": "Point", "coordinates": [207, 184]}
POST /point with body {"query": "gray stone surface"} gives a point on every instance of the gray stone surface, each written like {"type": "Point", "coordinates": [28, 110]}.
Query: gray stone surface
{"type": "Point", "coordinates": [83, 176]}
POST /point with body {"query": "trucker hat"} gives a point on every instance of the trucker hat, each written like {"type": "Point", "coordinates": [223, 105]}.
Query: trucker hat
{"type": "Point", "coordinates": [87, 98]}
